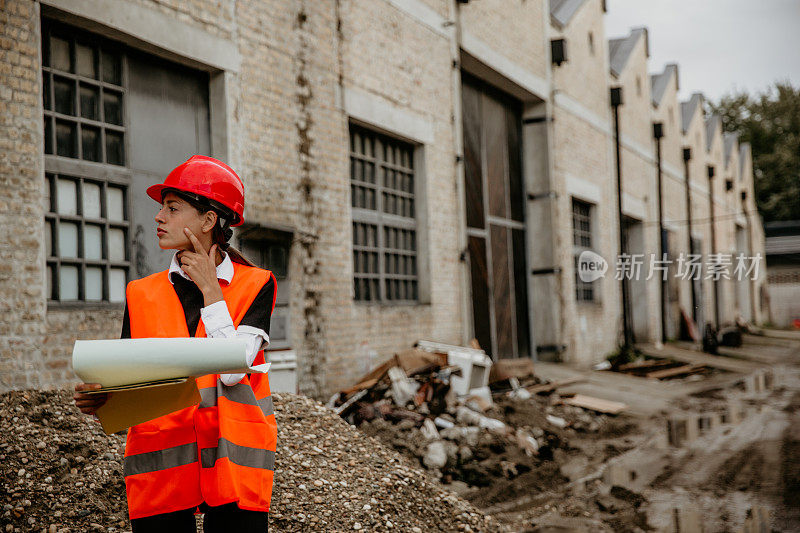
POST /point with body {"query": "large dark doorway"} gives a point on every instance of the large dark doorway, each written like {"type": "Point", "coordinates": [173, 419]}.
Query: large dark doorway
{"type": "Point", "coordinates": [169, 122]}
{"type": "Point", "coordinates": [495, 208]}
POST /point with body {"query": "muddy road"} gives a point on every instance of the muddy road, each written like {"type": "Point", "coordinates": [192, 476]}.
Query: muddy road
{"type": "Point", "coordinates": [721, 459]}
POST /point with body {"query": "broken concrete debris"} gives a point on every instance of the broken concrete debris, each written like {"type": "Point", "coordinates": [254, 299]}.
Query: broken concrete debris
{"type": "Point", "coordinates": [403, 388]}
{"type": "Point", "coordinates": [557, 421]}
{"type": "Point", "coordinates": [474, 364]}
{"type": "Point", "coordinates": [472, 423]}
{"type": "Point", "coordinates": [467, 416]}
{"type": "Point", "coordinates": [429, 430]}
{"type": "Point", "coordinates": [435, 455]}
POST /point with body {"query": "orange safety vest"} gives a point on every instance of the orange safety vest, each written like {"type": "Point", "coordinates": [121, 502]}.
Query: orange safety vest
{"type": "Point", "coordinates": [217, 452]}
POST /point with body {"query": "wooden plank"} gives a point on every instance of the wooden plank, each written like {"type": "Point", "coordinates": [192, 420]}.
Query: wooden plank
{"type": "Point", "coordinates": [595, 404]}
{"type": "Point", "coordinates": [548, 387]}
{"type": "Point", "coordinates": [677, 371]}
{"type": "Point", "coordinates": [677, 353]}
{"type": "Point", "coordinates": [787, 334]}
{"type": "Point", "coordinates": [367, 384]}
{"type": "Point", "coordinates": [694, 356]}
{"type": "Point", "coordinates": [647, 363]}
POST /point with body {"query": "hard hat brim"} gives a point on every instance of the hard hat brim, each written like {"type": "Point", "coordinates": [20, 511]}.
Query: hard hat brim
{"type": "Point", "coordinates": [156, 193]}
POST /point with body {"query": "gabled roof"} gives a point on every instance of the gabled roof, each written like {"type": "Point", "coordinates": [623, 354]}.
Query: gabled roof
{"type": "Point", "coordinates": [689, 108]}
{"type": "Point", "coordinates": [711, 127]}
{"type": "Point", "coordinates": [619, 50]}
{"type": "Point", "coordinates": [744, 153]}
{"type": "Point", "coordinates": [660, 82]}
{"type": "Point", "coordinates": [561, 11]}
{"type": "Point", "coordinates": [728, 142]}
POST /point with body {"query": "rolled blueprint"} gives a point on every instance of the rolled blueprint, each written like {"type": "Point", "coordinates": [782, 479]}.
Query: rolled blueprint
{"type": "Point", "coordinates": [128, 361]}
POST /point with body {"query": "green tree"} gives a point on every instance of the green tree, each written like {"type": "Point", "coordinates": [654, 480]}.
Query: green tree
{"type": "Point", "coordinates": [770, 122]}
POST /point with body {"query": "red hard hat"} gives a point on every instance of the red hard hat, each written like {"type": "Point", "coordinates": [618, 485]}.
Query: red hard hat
{"type": "Point", "coordinates": [207, 177]}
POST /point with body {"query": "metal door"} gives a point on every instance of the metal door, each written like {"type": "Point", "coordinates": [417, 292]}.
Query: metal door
{"type": "Point", "coordinates": [633, 236]}
{"type": "Point", "coordinates": [169, 122]}
{"type": "Point", "coordinates": [495, 201]}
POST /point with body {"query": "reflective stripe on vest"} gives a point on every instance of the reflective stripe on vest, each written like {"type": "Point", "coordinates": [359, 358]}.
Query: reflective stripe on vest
{"type": "Point", "coordinates": [239, 393]}
{"type": "Point", "coordinates": [163, 473]}
{"type": "Point", "coordinates": [143, 463]}
{"type": "Point", "coordinates": [240, 455]}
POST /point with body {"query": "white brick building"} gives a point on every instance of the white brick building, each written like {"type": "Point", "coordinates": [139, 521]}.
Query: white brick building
{"type": "Point", "coordinates": [412, 169]}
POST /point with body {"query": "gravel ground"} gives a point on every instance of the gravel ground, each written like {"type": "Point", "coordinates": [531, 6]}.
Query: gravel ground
{"type": "Point", "coordinates": [61, 473]}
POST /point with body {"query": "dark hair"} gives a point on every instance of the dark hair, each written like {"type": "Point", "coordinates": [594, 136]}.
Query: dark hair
{"type": "Point", "coordinates": [222, 231]}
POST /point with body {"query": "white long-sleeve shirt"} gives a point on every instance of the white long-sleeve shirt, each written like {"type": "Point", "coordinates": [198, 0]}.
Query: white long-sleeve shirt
{"type": "Point", "coordinates": [218, 322]}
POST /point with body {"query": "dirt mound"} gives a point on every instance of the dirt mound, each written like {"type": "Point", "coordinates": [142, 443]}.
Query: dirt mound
{"type": "Point", "coordinates": [61, 473]}
{"type": "Point", "coordinates": [333, 477]}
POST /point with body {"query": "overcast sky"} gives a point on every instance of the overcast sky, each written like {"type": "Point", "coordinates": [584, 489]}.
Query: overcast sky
{"type": "Point", "coordinates": [719, 45]}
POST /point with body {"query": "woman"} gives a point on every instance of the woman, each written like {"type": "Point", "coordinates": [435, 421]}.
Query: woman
{"type": "Point", "coordinates": [216, 457]}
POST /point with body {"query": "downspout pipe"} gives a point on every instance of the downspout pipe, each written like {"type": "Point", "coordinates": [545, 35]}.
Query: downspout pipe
{"type": "Point", "coordinates": [713, 242]}
{"type": "Point", "coordinates": [658, 134]}
{"type": "Point", "coordinates": [687, 156]}
{"type": "Point", "coordinates": [454, 26]}
{"type": "Point", "coordinates": [751, 281]}
{"type": "Point", "coordinates": [616, 101]}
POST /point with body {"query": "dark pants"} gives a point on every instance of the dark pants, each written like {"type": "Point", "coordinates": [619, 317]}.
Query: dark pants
{"type": "Point", "coordinates": [222, 519]}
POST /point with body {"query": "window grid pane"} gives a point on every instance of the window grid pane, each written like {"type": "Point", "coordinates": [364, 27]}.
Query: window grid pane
{"type": "Point", "coordinates": [582, 240]}
{"type": "Point", "coordinates": [86, 251]}
{"type": "Point", "coordinates": [86, 220]}
{"type": "Point", "coordinates": [88, 110]}
{"type": "Point", "coordinates": [581, 224]}
{"type": "Point", "coordinates": [382, 182]}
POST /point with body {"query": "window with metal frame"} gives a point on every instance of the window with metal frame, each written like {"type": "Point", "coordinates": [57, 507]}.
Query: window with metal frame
{"type": "Point", "coordinates": [83, 96]}
{"type": "Point", "coordinates": [582, 240]}
{"type": "Point", "coordinates": [85, 239]}
{"type": "Point", "coordinates": [382, 184]}
{"type": "Point", "coordinates": [269, 249]}
{"type": "Point", "coordinates": [86, 179]}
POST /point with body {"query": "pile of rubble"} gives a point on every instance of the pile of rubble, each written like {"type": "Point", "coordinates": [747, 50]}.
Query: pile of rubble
{"type": "Point", "coordinates": [61, 473]}
{"type": "Point", "coordinates": [491, 431]}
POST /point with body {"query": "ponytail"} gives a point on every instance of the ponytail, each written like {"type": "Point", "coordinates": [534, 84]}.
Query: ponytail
{"type": "Point", "coordinates": [237, 257]}
{"type": "Point", "coordinates": [221, 236]}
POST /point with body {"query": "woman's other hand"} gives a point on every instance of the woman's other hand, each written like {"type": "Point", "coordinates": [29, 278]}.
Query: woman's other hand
{"type": "Point", "coordinates": [89, 403]}
{"type": "Point", "coordinates": [201, 266]}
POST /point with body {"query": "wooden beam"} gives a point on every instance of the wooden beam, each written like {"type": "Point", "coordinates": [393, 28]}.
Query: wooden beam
{"type": "Point", "coordinates": [677, 371]}
{"type": "Point", "coordinates": [595, 404]}
{"type": "Point", "coordinates": [647, 363]}
{"type": "Point", "coordinates": [549, 387]}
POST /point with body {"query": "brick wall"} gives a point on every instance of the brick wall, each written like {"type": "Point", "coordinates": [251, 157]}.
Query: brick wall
{"type": "Point", "coordinates": [584, 75]}
{"type": "Point", "coordinates": [373, 63]}
{"type": "Point", "coordinates": [288, 138]}
{"type": "Point", "coordinates": [521, 41]}
{"type": "Point", "coordinates": [22, 307]}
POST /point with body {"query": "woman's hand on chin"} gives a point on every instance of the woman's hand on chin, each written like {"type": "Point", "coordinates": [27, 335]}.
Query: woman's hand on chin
{"type": "Point", "coordinates": [201, 266]}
